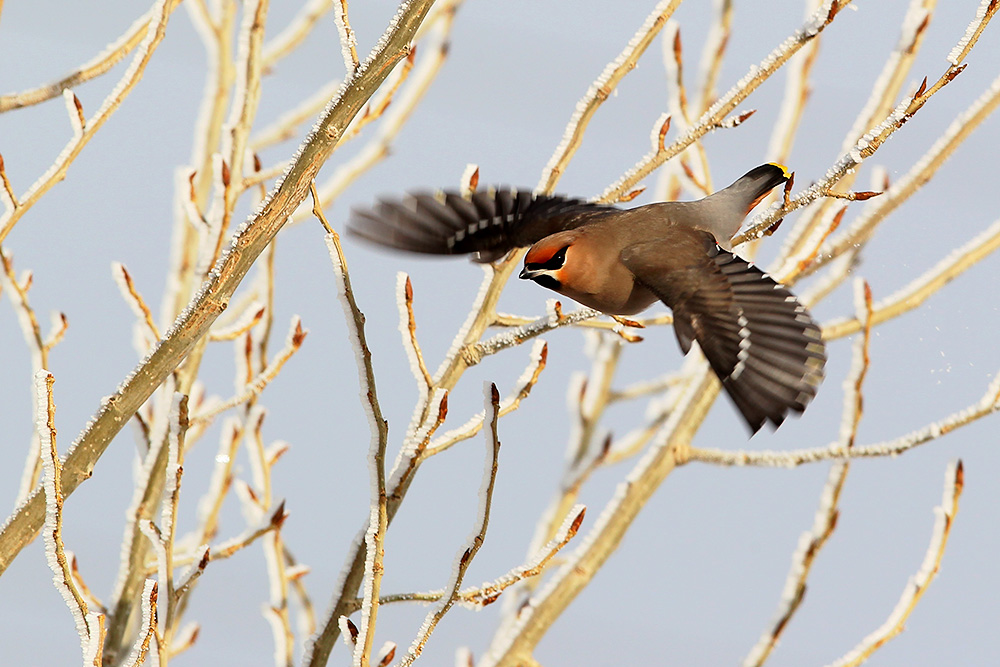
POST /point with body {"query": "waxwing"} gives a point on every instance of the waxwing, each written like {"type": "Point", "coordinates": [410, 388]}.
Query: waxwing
{"type": "Point", "coordinates": [761, 342]}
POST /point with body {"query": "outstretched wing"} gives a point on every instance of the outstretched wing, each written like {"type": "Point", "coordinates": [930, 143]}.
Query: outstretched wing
{"type": "Point", "coordinates": [490, 222]}
{"type": "Point", "coordinates": [761, 342]}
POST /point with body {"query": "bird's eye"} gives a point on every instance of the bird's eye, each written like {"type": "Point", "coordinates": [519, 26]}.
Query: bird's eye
{"type": "Point", "coordinates": [558, 259]}
{"type": "Point", "coordinates": [553, 263]}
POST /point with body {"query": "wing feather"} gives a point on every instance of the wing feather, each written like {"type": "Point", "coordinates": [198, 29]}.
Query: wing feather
{"type": "Point", "coordinates": [490, 223]}
{"type": "Point", "coordinates": [761, 342]}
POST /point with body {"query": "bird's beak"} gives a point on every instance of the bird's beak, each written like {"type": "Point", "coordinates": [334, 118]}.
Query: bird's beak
{"type": "Point", "coordinates": [527, 275]}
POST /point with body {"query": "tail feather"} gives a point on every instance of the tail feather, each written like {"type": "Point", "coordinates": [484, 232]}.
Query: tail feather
{"type": "Point", "coordinates": [774, 363]}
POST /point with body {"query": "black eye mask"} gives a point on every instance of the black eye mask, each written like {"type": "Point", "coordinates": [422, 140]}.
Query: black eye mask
{"type": "Point", "coordinates": [546, 280]}
{"type": "Point", "coordinates": [554, 263]}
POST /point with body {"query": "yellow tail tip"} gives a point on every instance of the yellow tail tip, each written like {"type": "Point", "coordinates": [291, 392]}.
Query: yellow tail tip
{"type": "Point", "coordinates": [784, 170]}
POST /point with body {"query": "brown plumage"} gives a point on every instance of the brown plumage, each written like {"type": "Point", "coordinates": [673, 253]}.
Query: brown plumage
{"type": "Point", "coordinates": [760, 341]}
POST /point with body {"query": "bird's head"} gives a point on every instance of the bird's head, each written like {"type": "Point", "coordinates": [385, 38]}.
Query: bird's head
{"type": "Point", "coordinates": [546, 261]}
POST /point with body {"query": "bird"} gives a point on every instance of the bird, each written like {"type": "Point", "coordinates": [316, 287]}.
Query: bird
{"type": "Point", "coordinates": [761, 342]}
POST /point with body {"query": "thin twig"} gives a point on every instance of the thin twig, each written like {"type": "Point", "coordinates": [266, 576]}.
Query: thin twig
{"type": "Point", "coordinates": [813, 541]}
{"type": "Point", "coordinates": [600, 90]}
{"type": "Point", "coordinates": [296, 336]}
{"type": "Point", "coordinates": [134, 299]}
{"type": "Point", "coordinates": [465, 559]}
{"type": "Point", "coordinates": [408, 328]}
{"type": "Point", "coordinates": [55, 550]}
{"type": "Point", "coordinates": [867, 145]}
{"type": "Point", "coordinates": [348, 42]}
{"type": "Point", "coordinates": [715, 116]}
{"type": "Point", "coordinates": [987, 405]}
{"type": "Point", "coordinates": [477, 597]}
{"type": "Point", "coordinates": [93, 68]}
{"type": "Point", "coordinates": [147, 627]}
{"type": "Point", "coordinates": [210, 301]}
{"type": "Point", "coordinates": [295, 32]}
{"type": "Point", "coordinates": [378, 522]}
{"type": "Point", "coordinates": [954, 481]}
{"type": "Point", "coordinates": [522, 388]}
{"type": "Point", "coordinates": [57, 171]}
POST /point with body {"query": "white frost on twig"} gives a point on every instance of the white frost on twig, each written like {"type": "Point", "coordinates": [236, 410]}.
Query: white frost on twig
{"type": "Point", "coordinates": [348, 40]}
{"type": "Point", "coordinates": [54, 553]}
{"type": "Point", "coordinates": [918, 583]}
{"type": "Point", "coordinates": [412, 354]}
{"type": "Point", "coordinates": [157, 440]}
{"type": "Point", "coordinates": [147, 631]}
{"type": "Point", "coordinates": [597, 86]}
{"type": "Point", "coordinates": [278, 634]}
{"type": "Point", "coordinates": [916, 15]}
{"type": "Point", "coordinates": [956, 53]}
{"type": "Point", "coordinates": [76, 119]}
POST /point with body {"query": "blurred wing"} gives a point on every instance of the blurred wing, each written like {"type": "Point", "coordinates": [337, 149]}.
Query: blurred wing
{"type": "Point", "coordinates": [760, 341]}
{"type": "Point", "coordinates": [490, 222]}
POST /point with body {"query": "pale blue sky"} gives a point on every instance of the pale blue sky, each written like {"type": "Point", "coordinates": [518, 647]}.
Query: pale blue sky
{"type": "Point", "coordinates": [699, 575]}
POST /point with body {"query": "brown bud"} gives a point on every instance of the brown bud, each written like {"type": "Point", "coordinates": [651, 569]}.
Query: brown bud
{"type": "Point", "coordinates": [661, 138]}
{"type": "Point", "coordinates": [629, 196]}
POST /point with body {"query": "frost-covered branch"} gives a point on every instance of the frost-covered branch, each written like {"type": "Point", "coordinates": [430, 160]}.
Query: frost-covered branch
{"type": "Point", "coordinates": [514, 642]}
{"type": "Point", "coordinates": [55, 550]}
{"type": "Point", "coordinates": [522, 388]}
{"type": "Point", "coordinates": [146, 502]}
{"type": "Point", "coordinates": [295, 32]}
{"type": "Point", "coordinates": [477, 597]}
{"type": "Point", "coordinates": [919, 290]}
{"type": "Point", "coordinates": [944, 517]}
{"type": "Point", "coordinates": [987, 405]}
{"type": "Point", "coordinates": [600, 90]}
{"type": "Point", "coordinates": [393, 118]}
{"type": "Point", "coordinates": [248, 243]}
{"type": "Point", "coordinates": [870, 142]}
{"type": "Point", "coordinates": [378, 521]}
{"type": "Point", "coordinates": [293, 342]}
{"type": "Point", "coordinates": [464, 560]}
{"type": "Point", "coordinates": [112, 54]}
{"type": "Point", "coordinates": [156, 28]}
{"type": "Point", "coordinates": [408, 329]}
{"type": "Point", "coordinates": [473, 354]}
{"type": "Point", "coordinates": [885, 91]}
{"type": "Point", "coordinates": [147, 626]}
{"type": "Point", "coordinates": [715, 116]}
{"type": "Point", "coordinates": [39, 347]}
{"type": "Point", "coordinates": [813, 541]}
{"type": "Point", "coordinates": [134, 299]}
{"type": "Point", "coordinates": [863, 227]}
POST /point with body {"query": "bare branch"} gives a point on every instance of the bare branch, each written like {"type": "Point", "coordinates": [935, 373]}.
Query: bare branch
{"type": "Point", "coordinates": [813, 541]}
{"type": "Point", "coordinates": [472, 548]}
{"type": "Point", "coordinates": [600, 90]}
{"type": "Point", "coordinates": [954, 480]}
{"type": "Point", "coordinates": [249, 242]}
{"type": "Point", "coordinates": [57, 171]}
{"type": "Point", "coordinates": [987, 405]}
{"type": "Point", "coordinates": [98, 65]}
{"type": "Point", "coordinates": [296, 336]}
